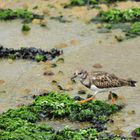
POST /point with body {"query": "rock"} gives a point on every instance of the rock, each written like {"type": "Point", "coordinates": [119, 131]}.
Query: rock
{"type": "Point", "coordinates": [99, 25]}
{"type": "Point", "coordinates": [10, 61]}
{"type": "Point", "coordinates": [81, 92]}
{"type": "Point", "coordinates": [29, 54]}
{"type": "Point", "coordinates": [36, 21]}
{"type": "Point", "coordinates": [54, 82]}
{"type": "Point", "coordinates": [119, 38]}
{"type": "Point", "coordinates": [61, 46]}
{"type": "Point", "coordinates": [35, 7]}
{"type": "Point", "coordinates": [131, 112]}
{"type": "Point", "coordinates": [57, 88]}
{"type": "Point", "coordinates": [74, 42]}
{"type": "Point", "coordinates": [68, 87]}
{"type": "Point", "coordinates": [53, 65]}
{"type": "Point", "coordinates": [43, 23]}
{"type": "Point", "coordinates": [97, 66]}
{"type": "Point", "coordinates": [60, 60]}
{"type": "Point", "coordinates": [2, 82]}
{"type": "Point", "coordinates": [46, 12]}
{"type": "Point", "coordinates": [78, 98]}
{"type": "Point", "coordinates": [89, 95]}
{"type": "Point", "coordinates": [48, 73]}
{"type": "Point", "coordinates": [60, 73]}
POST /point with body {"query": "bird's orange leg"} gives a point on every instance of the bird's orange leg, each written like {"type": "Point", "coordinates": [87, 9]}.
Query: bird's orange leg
{"type": "Point", "coordinates": [86, 100]}
{"type": "Point", "coordinates": [113, 100]}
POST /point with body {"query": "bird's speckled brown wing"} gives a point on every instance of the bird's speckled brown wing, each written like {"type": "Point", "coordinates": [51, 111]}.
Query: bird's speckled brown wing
{"type": "Point", "coordinates": [105, 80]}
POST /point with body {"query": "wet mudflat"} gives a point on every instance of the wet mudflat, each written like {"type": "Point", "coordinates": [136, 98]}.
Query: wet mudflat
{"type": "Point", "coordinates": [83, 47]}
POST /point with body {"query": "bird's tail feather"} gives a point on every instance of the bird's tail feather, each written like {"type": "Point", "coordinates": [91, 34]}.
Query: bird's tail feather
{"type": "Point", "coordinates": [132, 83]}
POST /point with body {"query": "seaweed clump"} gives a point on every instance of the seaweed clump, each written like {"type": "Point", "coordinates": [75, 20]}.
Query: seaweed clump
{"type": "Point", "coordinates": [27, 16]}
{"type": "Point", "coordinates": [136, 133]}
{"type": "Point", "coordinates": [133, 30]}
{"type": "Point", "coordinates": [127, 20]}
{"type": "Point", "coordinates": [21, 124]}
{"type": "Point", "coordinates": [90, 2]}
{"type": "Point", "coordinates": [25, 28]}
{"type": "Point", "coordinates": [29, 53]}
{"type": "Point", "coordinates": [116, 15]}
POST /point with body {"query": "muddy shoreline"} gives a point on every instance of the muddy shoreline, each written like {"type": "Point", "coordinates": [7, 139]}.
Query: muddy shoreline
{"type": "Point", "coordinates": [83, 47]}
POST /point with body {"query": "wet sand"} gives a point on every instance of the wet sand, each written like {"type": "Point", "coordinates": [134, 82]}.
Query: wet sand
{"type": "Point", "coordinates": [84, 48]}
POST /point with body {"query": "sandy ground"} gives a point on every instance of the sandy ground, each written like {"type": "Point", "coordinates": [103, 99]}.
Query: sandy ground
{"type": "Point", "coordinates": [83, 47]}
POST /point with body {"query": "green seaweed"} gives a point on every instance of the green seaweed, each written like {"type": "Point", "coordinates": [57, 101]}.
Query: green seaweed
{"type": "Point", "coordinates": [89, 2]}
{"type": "Point", "coordinates": [25, 27]}
{"type": "Point", "coordinates": [20, 123]}
{"type": "Point", "coordinates": [116, 15]}
{"type": "Point", "coordinates": [133, 30]}
{"type": "Point", "coordinates": [39, 57]}
{"type": "Point", "coordinates": [68, 134]}
{"type": "Point", "coordinates": [137, 130]}
{"type": "Point", "coordinates": [27, 16]}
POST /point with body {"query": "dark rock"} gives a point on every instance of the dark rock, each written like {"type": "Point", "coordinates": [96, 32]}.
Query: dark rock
{"type": "Point", "coordinates": [78, 98]}
{"type": "Point", "coordinates": [89, 95]}
{"type": "Point", "coordinates": [28, 53]}
{"type": "Point", "coordinates": [81, 92]}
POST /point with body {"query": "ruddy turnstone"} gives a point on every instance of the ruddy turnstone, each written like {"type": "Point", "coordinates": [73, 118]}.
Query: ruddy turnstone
{"type": "Point", "coordinates": [100, 81]}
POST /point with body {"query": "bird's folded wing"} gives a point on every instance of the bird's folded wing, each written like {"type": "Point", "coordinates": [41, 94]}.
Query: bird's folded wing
{"type": "Point", "coordinates": [106, 80]}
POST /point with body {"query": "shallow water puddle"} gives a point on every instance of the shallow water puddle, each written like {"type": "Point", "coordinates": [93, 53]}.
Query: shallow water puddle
{"type": "Point", "coordinates": [60, 124]}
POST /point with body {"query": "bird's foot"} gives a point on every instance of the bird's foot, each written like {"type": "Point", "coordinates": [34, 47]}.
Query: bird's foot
{"type": "Point", "coordinates": [113, 100]}
{"type": "Point", "coordinates": [86, 100]}
{"type": "Point", "coordinates": [123, 99]}
{"type": "Point", "coordinates": [113, 97]}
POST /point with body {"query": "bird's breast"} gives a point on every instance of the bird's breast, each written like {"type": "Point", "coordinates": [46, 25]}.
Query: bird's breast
{"type": "Point", "coordinates": [98, 90]}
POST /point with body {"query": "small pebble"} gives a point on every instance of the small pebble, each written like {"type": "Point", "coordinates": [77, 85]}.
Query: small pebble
{"type": "Point", "coordinates": [2, 82]}
{"type": "Point", "coordinates": [78, 98]}
{"type": "Point", "coordinates": [97, 66]}
{"type": "Point", "coordinates": [89, 95]}
{"type": "Point", "coordinates": [68, 87]}
{"type": "Point", "coordinates": [131, 112]}
{"type": "Point", "coordinates": [60, 60]}
{"type": "Point", "coordinates": [81, 92]}
{"type": "Point", "coordinates": [48, 73]}
{"type": "Point", "coordinates": [61, 46]}
{"type": "Point", "coordinates": [10, 61]}
{"type": "Point", "coordinates": [74, 42]}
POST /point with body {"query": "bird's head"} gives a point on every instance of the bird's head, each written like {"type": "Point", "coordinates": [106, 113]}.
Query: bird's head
{"type": "Point", "coordinates": [80, 75]}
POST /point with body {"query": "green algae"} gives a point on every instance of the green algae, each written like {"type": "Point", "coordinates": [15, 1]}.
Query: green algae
{"type": "Point", "coordinates": [133, 30]}
{"type": "Point", "coordinates": [90, 2]}
{"type": "Point", "coordinates": [39, 57]}
{"type": "Point", "coordinates": [136, 132]}
{"type": "Point", "coordinates": [116, 15]}
{"type": "Point", "coordinates": [25, 15]}
{"type": "Point", "coordinates": [25, 28]}
{"type": "Point", "coordinates": [126, 20]}
{"type": "Point", "coordinates": [7, 14]}
{"type": "Point", "coordinates": [20, 123]}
